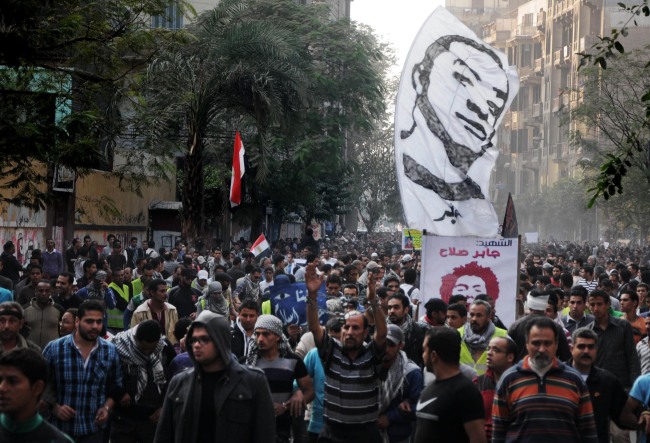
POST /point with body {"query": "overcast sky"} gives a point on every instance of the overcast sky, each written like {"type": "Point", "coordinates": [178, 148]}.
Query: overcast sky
{"type": "Point", "coordinates": [397, 22]}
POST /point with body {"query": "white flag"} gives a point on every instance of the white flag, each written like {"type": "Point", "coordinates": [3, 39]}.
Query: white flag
{"type": "Point", "coordinates": [453, 94]}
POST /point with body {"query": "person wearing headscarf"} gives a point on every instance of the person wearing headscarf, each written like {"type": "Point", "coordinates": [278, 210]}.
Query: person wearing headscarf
{"type": "Point", "coordinates": [271, 353]}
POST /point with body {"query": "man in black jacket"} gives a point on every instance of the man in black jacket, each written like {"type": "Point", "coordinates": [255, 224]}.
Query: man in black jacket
{"type": "Point", "coordinates": [607, 394]}
{"type": "Point", "coordinates": [414, 332]}
{"type": "Point", "coordinates": [219, 397]}
{"type": "Point", "coordinates": [243, 331]}
{"type": "Point", "coordinates": [11, 269]}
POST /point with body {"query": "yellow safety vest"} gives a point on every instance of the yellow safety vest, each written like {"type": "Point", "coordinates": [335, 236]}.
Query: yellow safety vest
{"type": "Point", "coordinates": [115, 316]}
{"type": "Point", "coordinates": [480, 366]}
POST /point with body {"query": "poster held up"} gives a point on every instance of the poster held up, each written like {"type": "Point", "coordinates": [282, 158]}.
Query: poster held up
{"type": "Point", "coordinates": [470, 266]}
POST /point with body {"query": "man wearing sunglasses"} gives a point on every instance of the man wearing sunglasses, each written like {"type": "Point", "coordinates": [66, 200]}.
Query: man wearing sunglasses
{"type": "Point", "coordinates": [218, 399]}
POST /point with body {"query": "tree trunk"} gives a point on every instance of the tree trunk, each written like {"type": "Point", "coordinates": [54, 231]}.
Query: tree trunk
{"type": "Point", "coordinates": [193, 187]}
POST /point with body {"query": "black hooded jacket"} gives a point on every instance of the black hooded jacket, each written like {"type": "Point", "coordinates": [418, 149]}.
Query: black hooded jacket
{"type": "Point", "coordinates": [243, 405]}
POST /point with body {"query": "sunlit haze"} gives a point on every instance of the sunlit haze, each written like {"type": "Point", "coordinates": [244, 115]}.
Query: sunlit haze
{"type": "Point", "coordinates": [396, 22]}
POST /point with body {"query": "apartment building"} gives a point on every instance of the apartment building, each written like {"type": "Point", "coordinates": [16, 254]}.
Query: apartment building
{"type": "Point", "coordinates": [542, 39]}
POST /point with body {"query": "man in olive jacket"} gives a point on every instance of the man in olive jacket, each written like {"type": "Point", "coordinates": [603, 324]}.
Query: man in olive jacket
{"type": "Point", "coordinates": [240, 408]}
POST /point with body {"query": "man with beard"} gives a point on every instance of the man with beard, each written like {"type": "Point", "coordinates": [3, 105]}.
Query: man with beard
{"type": "Point", "coordinates": [98, 289]}
{"type": "Point", "coordinates": [219, 399]}
{"type": "Point", "coordinates": [157, 308]}
{"type": "Point", "coordinates": [542, 398]}
{"type": "Point", "coordinates": [64, 296]}
{"type": "Point", "coordinates": [476, 335]}
{"type": "Point", "coordinates": [85, 377]}
{"type": "Point", "coordinates": [184, 297]}
{"type": "Point", "coordinates": [403, 383]}
{"type": "Point", "coordinates": [271, 353]}
{"type": "Point", "coordinates": [450, 409]}
{"type": "Point", "coordinates": [351, 368]}
{"type": "Point", "coordinates": [250, 288]}
{"type": "Point", "coordinates": [399, 314]}
{"type": "Point", "coordinates": [607, 394]}
{"type": "Point", "coordinates": [12, 320]}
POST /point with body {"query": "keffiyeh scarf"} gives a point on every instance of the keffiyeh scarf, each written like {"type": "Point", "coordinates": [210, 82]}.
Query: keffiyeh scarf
{"type": "Point", "coordinates": [478, 342]}
{"type": "Point", "coordinates": [129, 352]}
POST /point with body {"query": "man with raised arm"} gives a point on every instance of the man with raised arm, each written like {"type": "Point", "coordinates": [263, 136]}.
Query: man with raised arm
{"type": "Point", "coordinates": [351, 367]}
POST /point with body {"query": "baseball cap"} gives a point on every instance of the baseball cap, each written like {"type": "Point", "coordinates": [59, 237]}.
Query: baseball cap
{"type": "Point", "coordinates": [395, 334]}
{"type": "Point", "coordinates": [215, 286]}
{"type": "Point", "coordinates": [202, 275]}
{"type": "Point", "coordinates": [407, 258]}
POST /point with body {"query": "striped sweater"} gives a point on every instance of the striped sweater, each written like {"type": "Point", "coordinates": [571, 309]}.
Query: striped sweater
{"type": "Point", "coordinates": [351, 386]}
{"type": "Point", "coordinates": [533, 409]}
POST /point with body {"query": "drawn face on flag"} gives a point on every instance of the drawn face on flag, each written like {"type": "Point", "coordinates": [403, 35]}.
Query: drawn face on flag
{"type": "Point", "coordinates": [465, 121]}
{"type": "Point", "coordinates": [454, 92]}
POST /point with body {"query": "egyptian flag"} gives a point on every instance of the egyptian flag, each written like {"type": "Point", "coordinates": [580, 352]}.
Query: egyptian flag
{"type": "Point", "coordinates": [238, 170]}
{"type": "Point", "coordinates": [510, 227]}
{"type": "Point", "coordinates": [260, 245]}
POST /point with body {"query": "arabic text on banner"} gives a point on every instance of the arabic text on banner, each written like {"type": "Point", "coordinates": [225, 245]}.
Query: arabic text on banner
{"type": "Point", "coordinates": [289, 303]}
{"type": "Point", "coordinates": [470, 266]}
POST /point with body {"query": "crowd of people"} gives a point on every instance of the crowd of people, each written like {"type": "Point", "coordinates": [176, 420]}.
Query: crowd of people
{"type": "Point", "coordinates": [138, 344]}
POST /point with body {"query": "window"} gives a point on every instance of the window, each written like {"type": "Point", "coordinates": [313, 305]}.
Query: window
{"type": "Point", "coordinates": [172, 19]}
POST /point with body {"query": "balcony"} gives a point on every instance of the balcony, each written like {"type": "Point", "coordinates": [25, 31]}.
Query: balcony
{"type": "Point", "coordinates": [530, 78]}
{"type": "Point", "coordinates": [539, 65]}
{"type": "Point", "coordinates": [538, 110]}
{"type": "Point", "coordinates": [587, 42]}
{"type": "Point", "coordinates": [567, 54]}
{"type": "Point", "coordinates": [524, 71]}
{"type": "Point", "coordinates": [531, 158]}
{"type": "Point", "coordinates": [541, 20]}
{"type": "Point", "coordinates": [526, 29]}
{"type": "Point", "coordinates": [557, 103]}
{"type": "Point", "coordinates": [514, 120]}
{"type": "Point", "coordinates": [557, 58]}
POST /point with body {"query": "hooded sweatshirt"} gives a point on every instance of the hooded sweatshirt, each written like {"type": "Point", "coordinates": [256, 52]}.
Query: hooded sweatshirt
{"type": "Point", "coordinates": [242, 408]}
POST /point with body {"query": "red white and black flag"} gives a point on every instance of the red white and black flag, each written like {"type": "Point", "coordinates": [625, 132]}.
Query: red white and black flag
{"type": "Point", "coordinates": [238, 171]}
{"type": "Point", "coordinates": [260, 246]}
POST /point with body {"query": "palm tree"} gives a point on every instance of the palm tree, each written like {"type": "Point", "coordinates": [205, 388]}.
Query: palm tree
{"type": "Point", "coordinates": [232, 65]}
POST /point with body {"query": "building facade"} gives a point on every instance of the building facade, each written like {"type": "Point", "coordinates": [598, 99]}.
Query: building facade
{"type": "Point", "coordinates": [542, 38]}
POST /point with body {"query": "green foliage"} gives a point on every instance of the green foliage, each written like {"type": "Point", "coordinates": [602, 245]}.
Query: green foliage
{"type": "Point", "coordinates": [613, 111]}
{"type": "Point", "coordinates": [294, 83]}
{"type": "Point", "coordinates": [616, 166]}
{"type": "Point", "coordinates": [64, 67]}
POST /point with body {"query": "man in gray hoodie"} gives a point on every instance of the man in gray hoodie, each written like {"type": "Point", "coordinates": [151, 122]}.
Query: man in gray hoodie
{"type": "Point", "coordinates": [218, 400]}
